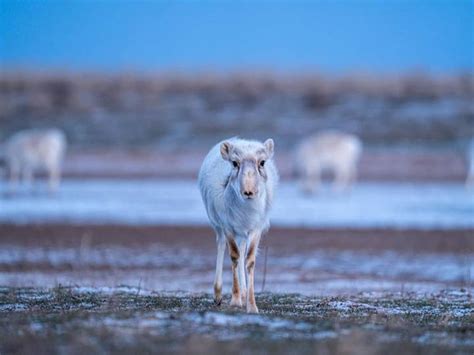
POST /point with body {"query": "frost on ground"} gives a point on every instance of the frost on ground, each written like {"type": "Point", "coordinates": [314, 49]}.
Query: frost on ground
{"type": "Point", "coordinates": [161, 265]}
{"type": "Point", "coordinates": [127, 319]}
{"type": "Point", "coordinates": [177, 202]}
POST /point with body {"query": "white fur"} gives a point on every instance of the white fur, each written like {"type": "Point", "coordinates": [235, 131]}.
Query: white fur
{"type": "Point", "coordinates": [230, 214]}
{"type": "Point", "coordinates": [29, 151]}
{"type": "Point", "coordinates": [334, 151]}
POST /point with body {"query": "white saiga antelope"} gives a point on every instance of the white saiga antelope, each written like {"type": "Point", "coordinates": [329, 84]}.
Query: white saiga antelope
{"type": "Point", "coordinates": [330, 150]}
{"type": "Point", "coordinates": [237, 180]}
{"type": "Point", "coordinates": [29, 151]}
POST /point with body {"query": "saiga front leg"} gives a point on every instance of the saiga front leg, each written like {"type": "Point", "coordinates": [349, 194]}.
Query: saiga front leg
{"type": "Point", "coordinates": [250, 264]}
{"type": "Point", "coordinates": [220, 239]}
{"type": "Point", "coordinates": [242, 280]}
{"type": "Point", "coordinates": [234, 257]}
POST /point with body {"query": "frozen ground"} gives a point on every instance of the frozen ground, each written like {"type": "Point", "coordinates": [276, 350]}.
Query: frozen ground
{"type": "Point", "coordinates": [183, 259]}
{"type": "Point", "coordinates": [164, 268]}
{"type": "Point", "coordinates": [128, 320]}
{"type": "Point", "coordinates": [177, 202]}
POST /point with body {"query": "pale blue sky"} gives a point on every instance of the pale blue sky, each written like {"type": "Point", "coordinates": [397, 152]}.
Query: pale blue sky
{"type": "Point", "coordinates": [332, 35]}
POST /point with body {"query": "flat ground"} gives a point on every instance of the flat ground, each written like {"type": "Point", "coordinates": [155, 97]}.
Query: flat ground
{"type": "Point", "coordinates": [178, 202]}
{"type": "Point", "coordinates": [398, 280]}
{"type": "Point", "coordinates": [321, 262]}
{"type": "Point", "coordinates": [145, 289]}
{"type": "Point", "coordinates": [131, 320]}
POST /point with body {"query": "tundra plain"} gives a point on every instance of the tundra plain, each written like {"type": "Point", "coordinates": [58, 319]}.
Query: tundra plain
{"type": "Point", "coordinates": [143, 289]}
{"type": "Point", "coordinates": [121, 259]}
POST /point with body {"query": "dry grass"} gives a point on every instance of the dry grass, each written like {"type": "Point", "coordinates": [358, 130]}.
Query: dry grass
{"type": "Point", "coordinates": [172, 108]}
{"type": "Point", "coordinates": [56, 91]}
{"type": "Point", "coordinates": [68, 319]}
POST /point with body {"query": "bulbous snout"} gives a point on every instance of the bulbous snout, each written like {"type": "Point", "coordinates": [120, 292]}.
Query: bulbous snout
{"type": "Point", "coordinates": [249, 184]}
{"type": "Point", "coordinates": [249, 194]}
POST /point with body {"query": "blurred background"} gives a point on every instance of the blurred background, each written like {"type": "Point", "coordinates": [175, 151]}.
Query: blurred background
{"type": "Point", "coordinates": [143, 89]}
{"type": "Point", "coordinates": [123, 99]}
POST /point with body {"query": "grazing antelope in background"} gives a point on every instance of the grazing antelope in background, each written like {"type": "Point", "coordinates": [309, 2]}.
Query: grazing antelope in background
{"type": "Point", "coordinates": [236, 180]}
{"type": "Point", "coordinates": [334, 151]}
{"type": "Point", "coordinates": [29, 151]}
{"type": "Point", "coordinates": [470, 165]}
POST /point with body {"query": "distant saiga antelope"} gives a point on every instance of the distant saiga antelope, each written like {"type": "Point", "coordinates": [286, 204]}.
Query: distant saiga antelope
{"type": "Point", "coordinates": [30, 151]}
{"type": "Point", "coordinates": [334, 151]}
{"type": "Point", "coordinates": [237, 180]}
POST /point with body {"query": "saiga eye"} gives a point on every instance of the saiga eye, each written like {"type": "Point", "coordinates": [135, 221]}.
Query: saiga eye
{"type": "Point", "coordinates": [262, 163]}
{"type": "Point", "coordinates": [235, 164]}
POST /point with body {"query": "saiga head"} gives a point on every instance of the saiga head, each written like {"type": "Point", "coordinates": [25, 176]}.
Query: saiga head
{"type": "Point", "coordinates": [248, 161]}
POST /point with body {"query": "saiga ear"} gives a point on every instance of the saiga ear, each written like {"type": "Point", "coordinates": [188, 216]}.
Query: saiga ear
{"type": "Point", "coordinates": [269, 145]}
{"type": "Point", "coordinates": [226, 148]}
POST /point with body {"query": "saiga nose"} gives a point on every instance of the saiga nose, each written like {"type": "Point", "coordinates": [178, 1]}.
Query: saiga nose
{"type": "Point", "coordinates": [249, 194]}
